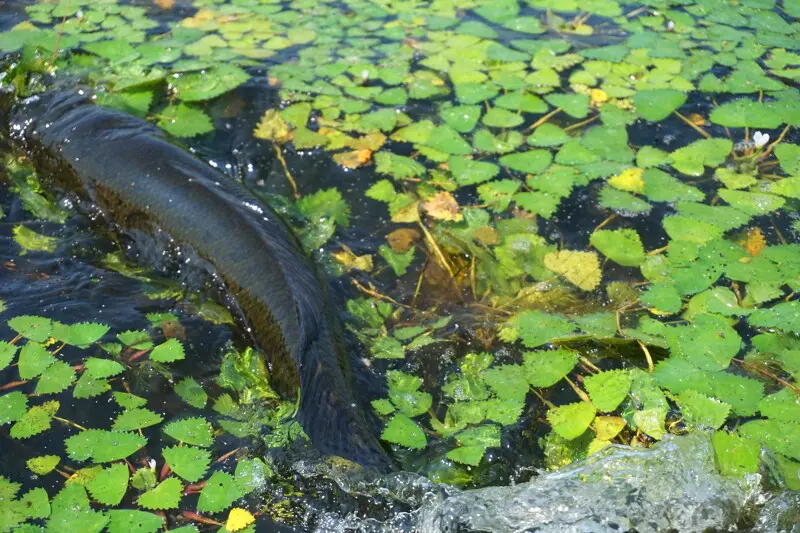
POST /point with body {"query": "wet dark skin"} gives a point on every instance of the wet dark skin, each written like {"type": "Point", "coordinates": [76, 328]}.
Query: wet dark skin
{"type": "Point", "coordinates": [138, 179]}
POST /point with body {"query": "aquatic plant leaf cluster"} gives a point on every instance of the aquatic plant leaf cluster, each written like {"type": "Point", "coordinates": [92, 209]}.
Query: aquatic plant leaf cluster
{"type": "Point", "coordinates": [482, 126]}
{"type": "Point", "coordinates": [53, 358]}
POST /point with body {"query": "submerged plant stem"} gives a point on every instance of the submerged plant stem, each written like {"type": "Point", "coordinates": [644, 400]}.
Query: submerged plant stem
{"type": "Point", "coordinates": [694, 126]}
{"type": "Point", "coordinates": [544, 119]}
{"type": "Point", "coordinates": [69, 423]}
{"type": "Point", "coordinates": [581, 123]}
{"type": "Point", "coordinates": [650, 366]}
{"type": "Point", "coordinates": [438, 251]}
{"type": "Point", "coordinates": [289, 176]}
{"type": "Point", "coordinates": [770, 375]}
{"type": "Point", "coordinates": [371, 291]}
{"type": "Point", "coordinates": [780, 138]}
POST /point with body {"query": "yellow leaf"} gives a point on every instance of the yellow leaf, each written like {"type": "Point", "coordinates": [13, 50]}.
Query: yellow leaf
{"type": "Point", "coordinates": [698, 119]}
{"type": "Point", "coordinates": [582, 269]}
{"type": "Point", "coordinates": [238, 519]}
{"type": "Point", "coordinates": [443, 206]}
{"type": "Point", "coordinates": [753, 242]}
{"type": "Point", "coordinates": [371, 141]}
{"type": "Point", "coordinates": [351, 261]}
{"type": "Point", "coordinates": [409, 213]}
{"type": "Point", "coordinates": [272, 127]}
{"type": "Point", "coordinates": [596, 445]}
{"type": "Point", "coordinates": [628, 180]}
{"type": "Point", "coordinates": [598, 96]}
{"type": "Point", "coordinates": [608, 427]}
{"type": "Point", "coordinates": [354, 158]}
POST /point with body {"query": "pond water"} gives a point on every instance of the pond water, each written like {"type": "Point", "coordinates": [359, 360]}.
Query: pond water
{"type": "Point", "coordinates": [562, 237]}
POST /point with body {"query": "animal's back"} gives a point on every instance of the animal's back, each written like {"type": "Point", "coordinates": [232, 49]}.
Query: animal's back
{"type": "Point", "coordinates": [115, 155]}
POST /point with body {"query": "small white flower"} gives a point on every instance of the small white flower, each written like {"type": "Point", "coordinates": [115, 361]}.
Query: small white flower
{"type": "Point", "coordinates": [670, 25]}
{"type": "Point", "coordinates": [760, 139]}
{"type": "Point", "coordinates": [152, 463]}
{"type": "Point", "coordinates": [365, 75]}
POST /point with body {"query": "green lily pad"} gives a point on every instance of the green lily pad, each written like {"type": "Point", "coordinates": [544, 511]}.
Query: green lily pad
{"type": "Point", "coordinates": [622, 246]}
{"type": "Point", "coordinates": [530, 162]}
{"type": "Point", "coordinates": [570, 421]}
{"type": "Point", "coordinates": [746, 113]}
{"type": "Point", "coordinates": [574, 105]}
{"type": "Point", "coordinates": [608, 389]}
{"type": "Point", "coordinates": [548, 135]}
{"type": "Point", "coordinates": [691, 159]}
{"type": "Point", "coordinates": [403, 431]}
{"type": "Point", "coordinates": [470, 172]}
{"type": "Point", "coordinates": [546, 368]}
{"type": "Point", "coordinates": [657, 104]}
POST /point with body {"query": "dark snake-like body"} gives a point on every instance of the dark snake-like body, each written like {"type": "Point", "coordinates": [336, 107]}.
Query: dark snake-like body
{"type": "Point", "coordinates": [137, 178]}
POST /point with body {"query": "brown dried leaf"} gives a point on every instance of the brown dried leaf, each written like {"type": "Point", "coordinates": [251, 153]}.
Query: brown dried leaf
{"type": "Point", "coordinates": [443, 206]}
{"type": "Point", "coordinates": [401, 240]}
{"type": "Point", "coordinates": [753, 242]}
{"type": "Point", "coordinates": [354, 158]}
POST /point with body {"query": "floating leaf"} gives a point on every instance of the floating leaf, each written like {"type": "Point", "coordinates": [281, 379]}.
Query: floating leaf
{"type": "Point", "coordinates": [85, 333]}
{"type": "Point", "coordinates": [469, 172]}
{"type": "Point", "coordinates": [735, 456]}
{"type": "Point", "coordinates": [662, 297]}
{"type": "Point", "coordinates": [629, 180]}
{"type": "Point", "coordinates": [165, 495]}
{"type": "Point", "coordinates": [136, 419]}
{"type": "Point", "coordinates": [608, 389]}
{"type": "Point", "coordinates": [35, 328]}
{"type": "Point", "coordinates": [252, 474]}
{"type": "Point", "coordinates": [128, 520]}
{"type": "Point", "coordinates": [461, 118]}
{"type": "Point", "coordinates": [35, 420]}
{"type": "Point", "coordinates": [570, 421]}
{"type": "Point", "coordinates": [55, 379]}
{"type": "Point", "coordinates": [102, 368]}
{"type": "Point", "coordinates": [752, 203]}
{"type": "Point", "coordinates": [196, 431]}
{"type": "Point", "coordinates": [574, 105]}
{"type": "Point", "coordinates": [608, 427]}
{"type": "Point", "coordinates": [33, 360]}
{"type": "Point", "coordinates": [168, 351]}
{"type": "Point", "coordinates": [71, 512]}
{"type": "Point", "coordinates": [12, 407]}
{"type": "Point", "coordinates": [398, 166]}
{"type": "Point", "coordinates": [657, 104]}
{"type": "Point", "coordinates": [622, 246]}
{"type": "Point", "coordinates": [188, 462]}
{"type": "Point", "coordinates": [582, 269]}
{"type": "Point", "coordinates": [110, 484]}
{"type": "Point", "coordinates": [497, 117]}
{"type": "Point", "coordinates": [238, 519]}
{"type": "Point", "coordinates": [691, 159]}
{"type": "Point", "coordinates": [127, 400]}
{"type": "Point", "coordinates": [531, 162]}
{"type": "Point", "coordinates": [545, 368]}
{"type": "Point", "coordinates": [43, 464]}
{"type": "Point", "coordinates": [701, 412]}
{"type": "Point", "coordinates": [103, 446]}
{"type": "Point", "coordinates": [403, 431]}
{"type": "Point", "coordinates": [219, 492]}
{"type": "Point", "coordinates": [7, 353]}
{"type": "Point", "coordinates": [746, 113]}
{"type": "Point", "coordinates": [191, 392]}
{"type": "Point", "coordinates": [548, 135]}
{"type": "Point", "coordinates": [183, 120]}
{"type": "Point", "coordinates": [89, 387]}
{"type": "Point", "coordinates": [197, 86]}
{"type": "Point", "coordinates": [783, 405]}
{"type": "Point", "coordinates": [136, 339]}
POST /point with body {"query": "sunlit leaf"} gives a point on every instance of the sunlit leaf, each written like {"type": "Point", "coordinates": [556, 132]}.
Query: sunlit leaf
{"type": "Point", "coordinates": [219, 493]}
{"type": "Point", "coordinates": [570, 421]}
{"type": "Point", "coordinates": [188, 462]}
{"type": "Point", "coordinates": [35, 420]}
{"type": "Point", "coordinates": [103, 446]}
{"type": "Point", "coordinates": [196, 431]}
{"type": "Point", "coordinates": [403, 431]}
{"type": "Point", "coordinates": [166, 495]}
{"type": "Point", "coordinates": [622, 246]}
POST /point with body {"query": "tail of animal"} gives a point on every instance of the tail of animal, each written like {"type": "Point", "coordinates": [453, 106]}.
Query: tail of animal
{"type": "Point", "coordinates": [329, 414]}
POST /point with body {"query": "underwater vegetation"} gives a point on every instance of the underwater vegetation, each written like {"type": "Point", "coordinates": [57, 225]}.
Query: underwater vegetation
{"type": "Point", "coordinates": [564, 225]}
